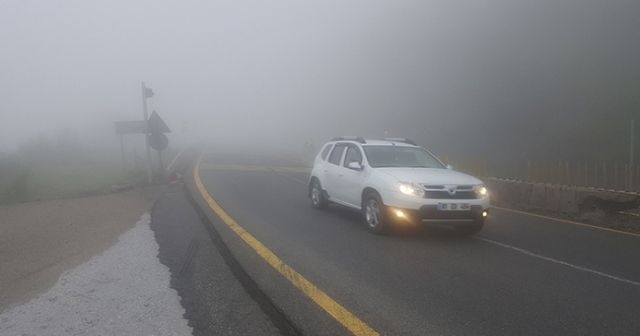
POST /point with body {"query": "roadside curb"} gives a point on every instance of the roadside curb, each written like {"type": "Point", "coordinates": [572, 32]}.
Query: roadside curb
{"type": "Point", "coordinates": [266, 304]}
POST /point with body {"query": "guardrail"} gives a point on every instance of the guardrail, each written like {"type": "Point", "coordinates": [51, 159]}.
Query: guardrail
{"type": "Point", "coordinates": [607, 175]}
{"type": "Point", "coordinates": [560, 198]}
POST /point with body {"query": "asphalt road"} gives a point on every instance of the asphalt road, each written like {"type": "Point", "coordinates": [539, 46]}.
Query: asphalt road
{"type": "Point", "coordinates": [522, 275]}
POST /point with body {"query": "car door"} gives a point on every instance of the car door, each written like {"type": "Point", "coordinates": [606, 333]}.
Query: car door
{"type": "Point", "coordinates": [332, 171]}
{"type": "Point", "coordinates": [352, 180]}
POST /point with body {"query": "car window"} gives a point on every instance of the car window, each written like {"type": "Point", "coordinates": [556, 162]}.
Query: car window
{"type": "Point", "coordinates": [336, 154]}
{"type": "Point", "coordinates": [353, 154]}
{"type": "Point", "coordinates": [325, 151]}
{"type": "Point", "coordinates": [400, 156]}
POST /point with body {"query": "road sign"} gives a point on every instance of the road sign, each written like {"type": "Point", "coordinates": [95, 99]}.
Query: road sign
{"type": "Point", "coordinates": [130, 127]}
{"type": "Point", "coordinates": [157, 125]}
{"type": "Point", "coordinates": [158, 141]}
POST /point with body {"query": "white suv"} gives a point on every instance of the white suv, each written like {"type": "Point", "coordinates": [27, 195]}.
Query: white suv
{"type": "Point", "coordinates": [396, 181]}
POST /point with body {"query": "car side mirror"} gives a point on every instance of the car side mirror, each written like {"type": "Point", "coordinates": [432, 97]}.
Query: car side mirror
{"type": "Point", "coordinates": [355, 165]}
{"type": "Point", "coordinates": [450, 167]}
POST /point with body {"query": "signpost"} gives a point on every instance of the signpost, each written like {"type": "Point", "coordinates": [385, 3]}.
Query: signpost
{"type": "Point", "coordinates": [156, 124]}
{"type": "Point", "coordinates": [156, 138]}
{"type": "Point", "coordinates": [128, 127]}
{"type": "Point", "coordinates": [153, 127]}
{"type": "Point", "coordinates": [158, 141]}
{"type": "Point", "coordinates": [146, 93]}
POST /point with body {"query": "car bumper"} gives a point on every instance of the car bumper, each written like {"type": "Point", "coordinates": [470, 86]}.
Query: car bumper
{"type": "Point", "coordinates": [430, 215]}
{"type": "Point", "coordinates": [425, 210]}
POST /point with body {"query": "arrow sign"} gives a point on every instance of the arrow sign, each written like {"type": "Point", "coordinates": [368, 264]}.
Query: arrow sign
{"type": "Point", "coordinates": [156, 124]}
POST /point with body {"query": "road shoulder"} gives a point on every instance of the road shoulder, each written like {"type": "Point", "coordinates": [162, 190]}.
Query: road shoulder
{"type": "Point", "coordinates": [216, 303]}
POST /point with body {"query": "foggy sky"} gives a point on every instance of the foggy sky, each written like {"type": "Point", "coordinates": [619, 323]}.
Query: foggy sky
{"type": "Point", "coordinates": [520, 78]}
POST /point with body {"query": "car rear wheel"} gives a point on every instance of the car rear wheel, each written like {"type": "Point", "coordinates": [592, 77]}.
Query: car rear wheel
{"type": "Point", "coordinates": [318, 199]}
{"type": "Point", "coordinates": [374, 213]}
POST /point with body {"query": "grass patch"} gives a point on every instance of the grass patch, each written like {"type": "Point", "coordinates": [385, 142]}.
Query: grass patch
{"type": "Point", "coordinates": [13, 183]}
{"type": "Point", "coordinates": [34, 182]}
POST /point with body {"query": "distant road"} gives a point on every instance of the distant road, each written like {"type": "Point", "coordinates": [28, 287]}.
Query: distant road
{"type": "Point", "coordinates": [522, 275]}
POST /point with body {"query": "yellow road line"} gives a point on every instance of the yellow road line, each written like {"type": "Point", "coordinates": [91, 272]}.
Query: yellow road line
{"type": "Point", "coordinates": [565, 221]}
{"type": "Point", "coordinates": [293, 169]}
{"type": "Point", "coordinates": [337, 311]}
{"type": "Point", "coordinates": [233, 167]}
{"type": "Point", "coordinates": [254, 168]}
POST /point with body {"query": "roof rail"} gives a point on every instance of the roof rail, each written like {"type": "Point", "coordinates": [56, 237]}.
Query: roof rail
{"type": "Point", "coordinates": [350, 138]}
{"type": "Point", "coordinates": [403, 140]}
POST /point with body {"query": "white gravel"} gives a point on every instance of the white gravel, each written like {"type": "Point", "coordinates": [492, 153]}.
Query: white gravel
{"type": "Point", "coordinates": [124, 291]}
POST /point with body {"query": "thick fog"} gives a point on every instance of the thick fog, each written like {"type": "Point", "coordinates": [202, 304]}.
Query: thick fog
{"type": "Point", "coordinates": [486, 78]}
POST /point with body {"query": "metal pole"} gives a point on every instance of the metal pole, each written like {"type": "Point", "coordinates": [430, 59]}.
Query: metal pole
{"type": "Point", "coordinates": [135, 158]}
{"type": "Point", "coordinates": [124, 165]}
{"type": "Point", "coordinates": [604, 175]}
{"type": "Point", "coordinates": [631, 148]}
{"type": "Point", "coordinates": [146, 133]}
{"type": "Point", "coordinates": [614, 177]}
{"type": "Point", "coordinates": [626, 177]}
{"type": "Point", "coordinates": [484, 168]}
{"type": "Point", "coordinates": [161, 163]}
{"type": "Point", "coordinates": [586, 174]}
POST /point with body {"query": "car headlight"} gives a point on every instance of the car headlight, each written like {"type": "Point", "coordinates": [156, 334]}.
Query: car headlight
{"type": "Point", "coordinates": [481, 190]}
{"type": "Point", "coordinates": [411, 189]}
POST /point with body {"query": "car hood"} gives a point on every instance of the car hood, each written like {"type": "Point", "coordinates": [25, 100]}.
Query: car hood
{"type": "Point", "coordinates": [429, 175]}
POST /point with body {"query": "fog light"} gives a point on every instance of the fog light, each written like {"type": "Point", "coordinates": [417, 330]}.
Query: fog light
{"type": "Point", "coordinates": [399, 213]}
{"type": "Point", "coordinates": [484, 214]}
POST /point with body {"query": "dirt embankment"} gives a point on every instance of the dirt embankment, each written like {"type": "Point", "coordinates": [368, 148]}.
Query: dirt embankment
{"type": "Point", "coordinates": [40, 240]}
{"type": "Point", "coordinates": [606, 208]}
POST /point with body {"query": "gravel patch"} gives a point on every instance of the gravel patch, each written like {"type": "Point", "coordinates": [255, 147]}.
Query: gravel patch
{"type": "Point", "coordinates": [123, 291]}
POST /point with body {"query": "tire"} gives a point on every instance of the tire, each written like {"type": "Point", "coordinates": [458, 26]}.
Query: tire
{"type": "Point", "coordinates": [374, 213]}
{"type": "Point", "coordinates": [317, 195]}
{"type": "Point", "coordinates": [471, 229]}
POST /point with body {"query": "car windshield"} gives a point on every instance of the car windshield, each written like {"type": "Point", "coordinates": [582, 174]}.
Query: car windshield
{"type": "Point", "coordinates": [400, 156]}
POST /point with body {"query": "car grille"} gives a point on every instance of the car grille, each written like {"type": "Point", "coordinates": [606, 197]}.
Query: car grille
{"type": "Point", "coordinates": [439, 192]}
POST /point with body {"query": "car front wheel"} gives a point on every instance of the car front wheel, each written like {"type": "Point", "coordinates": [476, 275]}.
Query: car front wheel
{"type": "Point", "coordinates": [318, 199]}
{"type": "Point", "coordinates": [374, 213]}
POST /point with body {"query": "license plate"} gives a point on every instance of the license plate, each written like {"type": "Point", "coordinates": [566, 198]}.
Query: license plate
{"type": "Point", "coordinates": [454, 206]}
